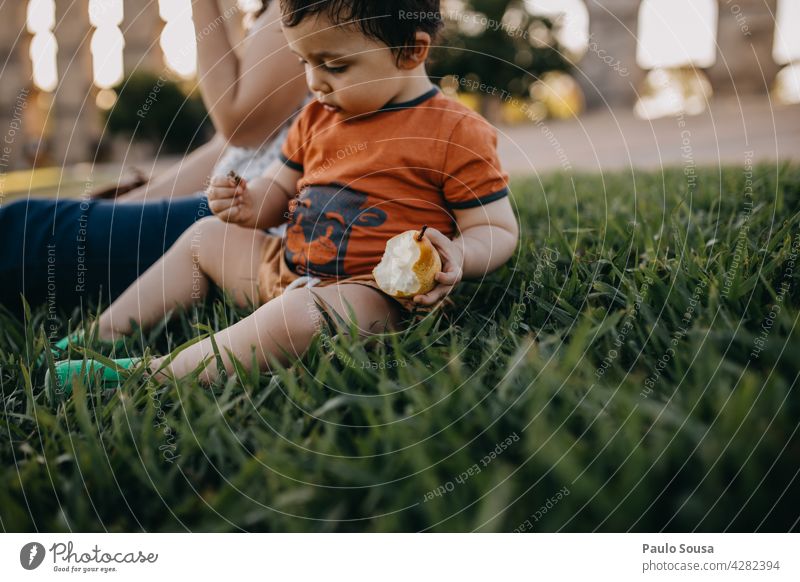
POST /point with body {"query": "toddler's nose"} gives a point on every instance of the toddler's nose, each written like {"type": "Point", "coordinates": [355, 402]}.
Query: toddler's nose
{"type": "Point", "coordinates": [315, 81]}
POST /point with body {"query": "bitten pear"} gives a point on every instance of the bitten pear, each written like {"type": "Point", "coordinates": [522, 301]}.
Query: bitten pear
{"type": "Point", "coordinates": [409, 265]}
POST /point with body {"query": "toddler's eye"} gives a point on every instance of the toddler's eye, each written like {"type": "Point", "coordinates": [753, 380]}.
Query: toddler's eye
{"type": "Point", "coordinates": [335, 70]}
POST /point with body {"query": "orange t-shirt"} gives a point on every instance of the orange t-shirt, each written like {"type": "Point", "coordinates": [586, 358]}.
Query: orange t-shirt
{"type": "Point", "coordinates": [368, 179]}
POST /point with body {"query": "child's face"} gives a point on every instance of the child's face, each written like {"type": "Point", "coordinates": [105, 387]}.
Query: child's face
{"type": "Point", "coordinates": [347, 71]}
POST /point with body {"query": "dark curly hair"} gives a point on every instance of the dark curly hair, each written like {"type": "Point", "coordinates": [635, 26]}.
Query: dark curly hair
{"type": "Point", "coordinates": [392, 22]}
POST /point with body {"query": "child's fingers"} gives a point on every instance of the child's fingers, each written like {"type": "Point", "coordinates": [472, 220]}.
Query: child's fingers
{"type": "Point", "coordinates": [220, 206]}
{"type": "Point", "coordinates": [446, 248]}
{"type": "Point", "coordinates": [436, 237]}
{"type": "Point", "coordinates": [229, 214]}
{"type": "Point", "coordinates": [433, 296]}
{"type": "Point", "coordinates": [222, 181]}
{"type": "Point", "coordinates": [227, 181]}
{"type": "Point", "coordinates": [450, 277]}
{"type": "Point", "coordinates": [217, 193]}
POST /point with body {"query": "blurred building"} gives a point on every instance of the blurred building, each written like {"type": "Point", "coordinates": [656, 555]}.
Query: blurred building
{"type": "Point", "coordinates": [675, 49]}
{"type": "Point", "coordinates": [60, 59]}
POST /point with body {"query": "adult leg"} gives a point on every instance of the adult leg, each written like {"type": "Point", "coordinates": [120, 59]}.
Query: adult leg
{"type": "Point", "coordinates": [211, 250]}
{"type": "Point", "coordinates": [184, 178]}
{"type": "Point", "coordinates": [288, 322]}
{"type": "Point", "coordinates": [64, 252]}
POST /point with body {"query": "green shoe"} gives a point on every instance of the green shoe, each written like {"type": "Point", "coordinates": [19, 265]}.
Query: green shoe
{"type": "Point", "coordinates": [95, 374]}
{"type": "Point", "coordinates": [61, 348]}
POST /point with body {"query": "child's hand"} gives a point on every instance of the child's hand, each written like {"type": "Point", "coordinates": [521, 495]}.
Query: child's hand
{"type": "Point", "coordinates": [452, 257]}
{"type": "Point", "coordinates": [230, 199]}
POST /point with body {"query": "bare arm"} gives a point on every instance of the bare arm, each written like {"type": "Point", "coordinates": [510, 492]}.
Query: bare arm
{"type": "Point", "coordinates": [261, 204]}
{"type": "Point", "coordinates": [185, 177]}
{"type": "Point", "coordinates": [248, 99]}
{"type": "Point", "coordinates": [489, 236]}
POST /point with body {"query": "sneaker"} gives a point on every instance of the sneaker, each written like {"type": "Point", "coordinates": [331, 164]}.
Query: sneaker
{"type": "Point", "coordinates": [61, 348]}
{"type": "Point", "coordinates": [94, 373]}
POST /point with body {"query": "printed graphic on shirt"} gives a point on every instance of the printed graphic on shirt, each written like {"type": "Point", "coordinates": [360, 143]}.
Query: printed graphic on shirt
{"type": "Point", "coordinates": [321, 227]}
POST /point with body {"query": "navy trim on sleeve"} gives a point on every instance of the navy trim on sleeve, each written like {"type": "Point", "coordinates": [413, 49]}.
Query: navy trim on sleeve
{"type": "Point", "coordinates": [291, 164]}
{"type": "Point", "coordinates": [479, 201]}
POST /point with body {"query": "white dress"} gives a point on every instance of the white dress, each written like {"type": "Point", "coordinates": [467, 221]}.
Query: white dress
{"type": "Point", "coordinates": [251, 163]}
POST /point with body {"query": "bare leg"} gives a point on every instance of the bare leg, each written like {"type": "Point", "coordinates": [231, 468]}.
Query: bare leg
{"type": "Point", "coordinates": [210, 250]}
{"type": "Point", "coordinates": [184, 178]}
{"type": "Point", "coordinates": [289, 321]}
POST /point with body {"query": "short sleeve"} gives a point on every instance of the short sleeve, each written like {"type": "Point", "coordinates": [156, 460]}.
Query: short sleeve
{"type": "Point", "coordinates": [293, 148]}
{"type": "Point", "coordinates": [473, 175]}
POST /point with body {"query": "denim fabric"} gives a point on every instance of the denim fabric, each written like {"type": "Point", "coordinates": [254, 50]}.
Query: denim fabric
{"type": "Point", "coordinates": [67, 252]}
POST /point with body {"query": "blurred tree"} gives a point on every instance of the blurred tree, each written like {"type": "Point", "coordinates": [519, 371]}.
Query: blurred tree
{"type": "Point", "coordinates": [154, 109]}
{"type": "Point", "coordinates": [497, 42]}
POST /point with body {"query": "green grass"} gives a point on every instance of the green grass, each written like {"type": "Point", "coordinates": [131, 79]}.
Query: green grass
{"type": "Point", "coordinates": [613, 358]}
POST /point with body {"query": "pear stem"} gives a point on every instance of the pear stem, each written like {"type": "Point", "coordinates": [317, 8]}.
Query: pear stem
{"type": "Point", "coordinates": [422, 233]}
{"type": "Point", "coordinates": [235, 177]}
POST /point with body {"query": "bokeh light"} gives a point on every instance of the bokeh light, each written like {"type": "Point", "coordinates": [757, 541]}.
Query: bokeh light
{"type": "Point", "coordinates": [178, 40]}
{"type": "Point", "coordinates": [677, 33]}
{"type": "Point", "coordinates": [572, 22]}
{"type": "Point", "coordinates": [105, 99]}
{"type": "Point", "coordinates": [107, 43]}
{"type": "Point", "coordinates": [787, 24]}
{"type": "Point", "coordinates": [40, 19]}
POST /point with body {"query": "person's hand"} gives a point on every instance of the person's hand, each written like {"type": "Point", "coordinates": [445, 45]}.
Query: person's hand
{"type": "Point", "coordinates": [231, 201]}
{"type": "Point", "coordinates": [452, 257]}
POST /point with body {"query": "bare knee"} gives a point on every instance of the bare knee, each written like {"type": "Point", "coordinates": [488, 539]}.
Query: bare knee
{"type": "Point", "coordinates": [304, 311]}
{"type": "Point", "coordinates": [299, 310]}
{"type": "Point", "coordinates": [191, 238]}
{"type": "Point", "coordinates": [287, 324]}
{"type": "Point", "coordinates": [369, 310]}
{"type": "Point", "coordinates": [206, 233]}
{"type": "Point", "coordinates": [290, 321]}
{"type": "Point", "coordinates": [230, 256]}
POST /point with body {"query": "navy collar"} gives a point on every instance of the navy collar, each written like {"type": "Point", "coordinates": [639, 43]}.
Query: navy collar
{"type": "Point", "coordinates": [413, 103]}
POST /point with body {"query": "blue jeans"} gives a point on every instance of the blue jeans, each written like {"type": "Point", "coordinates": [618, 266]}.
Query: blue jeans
{"type": "Point", "coordinates": [72, 253]}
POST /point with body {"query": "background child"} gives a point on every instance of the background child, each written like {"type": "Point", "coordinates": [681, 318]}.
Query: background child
{"type": "Point", "coordinates": [380, 151]}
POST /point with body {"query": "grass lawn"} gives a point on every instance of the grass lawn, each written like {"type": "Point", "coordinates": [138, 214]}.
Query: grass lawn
{"type": "Point", "coordinates": [633, 368]}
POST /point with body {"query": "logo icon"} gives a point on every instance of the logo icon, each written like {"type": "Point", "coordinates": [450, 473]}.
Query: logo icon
{"type": "Point", "coordinates": [31, 555]}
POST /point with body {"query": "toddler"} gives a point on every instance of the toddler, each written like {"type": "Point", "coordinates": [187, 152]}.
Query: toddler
{"type": "Point", "coordinates": [378, 152]}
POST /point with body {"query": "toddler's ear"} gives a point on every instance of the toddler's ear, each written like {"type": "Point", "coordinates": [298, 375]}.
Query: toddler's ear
{"type": "Point", "coordinates": [416, 55]}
